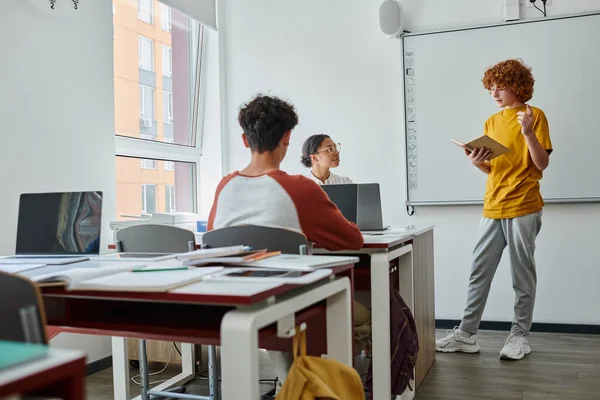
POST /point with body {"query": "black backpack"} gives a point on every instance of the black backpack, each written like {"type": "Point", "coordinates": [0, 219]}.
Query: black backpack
{"type": "Point", "coordinates": [404, 346]}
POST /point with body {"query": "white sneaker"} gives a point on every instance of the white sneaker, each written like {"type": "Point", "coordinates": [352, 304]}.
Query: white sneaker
{"type": "Point", "coordinates": [515, 348]}
{"type": "Point", "coordinates": [455, 342]}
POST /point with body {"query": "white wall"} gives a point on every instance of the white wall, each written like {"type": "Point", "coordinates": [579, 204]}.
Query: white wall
{"type": "Point", "coordinates": [344, 76]}
{"type": "Point", "coordinates": [56, 108]}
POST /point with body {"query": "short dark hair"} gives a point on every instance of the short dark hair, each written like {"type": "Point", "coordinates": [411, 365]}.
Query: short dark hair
{"type": "Point", "coordinates": [310, 146]}
{"type": "Point", "coordinates": [265, 119]}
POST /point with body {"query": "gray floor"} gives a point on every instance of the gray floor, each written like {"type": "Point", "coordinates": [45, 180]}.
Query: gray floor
{"type": "Point", "coordinates": [565, 367]}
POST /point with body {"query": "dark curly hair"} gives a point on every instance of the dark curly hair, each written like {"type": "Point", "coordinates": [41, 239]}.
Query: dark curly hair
{"type": "Point", "coordinates": [310, 146]}
{"type": "Point", "coordinates": [265, 120]}
{"type": "Point", "coordinates": [513, 75]}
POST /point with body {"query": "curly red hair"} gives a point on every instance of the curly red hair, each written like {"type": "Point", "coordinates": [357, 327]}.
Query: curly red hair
{"type": "Point", "coordinates": [513, 75]}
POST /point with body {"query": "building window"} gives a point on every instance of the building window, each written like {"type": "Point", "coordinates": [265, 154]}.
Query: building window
{"type": "Point", "coordinates": [165, 18]}
{"type": "Point", "coordinates": [161, 192]}
{"type": "Point", "coordinates": [147, 103]}
{"type": "Point", "coordinates": [169, 198]}
{"type": "Point", "coordinates": [168, 106]}
{"type": "Point", "coordinates": [148, 163]}
{"type": "Point", "coordinates": [167, 61]}
{"type": "Point", "coordinates": [148, 199]}
{"type": "Point", "coordinates": [145, 53]}
{"type": "Point", "coordinates": [169, 166]}
{"type": "Point", "coordinates": [145, 11]}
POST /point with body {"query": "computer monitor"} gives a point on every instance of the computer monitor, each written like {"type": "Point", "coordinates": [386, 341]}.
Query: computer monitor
{"type": "Point", "coordinates": [66, 223]}
{"type": "Point", "coordinates": [359, 203]}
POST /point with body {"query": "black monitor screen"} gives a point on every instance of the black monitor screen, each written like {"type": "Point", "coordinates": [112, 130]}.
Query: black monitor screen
{"type": "Point", "coordinates": [59, 223]}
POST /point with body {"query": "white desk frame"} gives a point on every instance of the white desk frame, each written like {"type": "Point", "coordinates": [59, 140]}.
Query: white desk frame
{"type": "Point", "coordinates": [380, 319]}
{"type": "Point", "coordinates": [239, 340]}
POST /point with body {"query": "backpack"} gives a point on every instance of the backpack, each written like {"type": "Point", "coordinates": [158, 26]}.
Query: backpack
{"type": "Point", "coordinates": [404, 346]}
{"type": "Point", "coordinates": [313, 377]}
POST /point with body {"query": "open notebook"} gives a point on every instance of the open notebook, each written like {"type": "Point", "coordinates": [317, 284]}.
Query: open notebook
{"type": "Point", "coordinates": [147, 280]}
{"type": "Point", "coordinates": [73, 277]}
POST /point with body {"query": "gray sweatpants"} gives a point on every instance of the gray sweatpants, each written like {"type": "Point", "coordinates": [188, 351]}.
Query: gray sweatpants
{"type": "Point", "coordinates": [494, 235]}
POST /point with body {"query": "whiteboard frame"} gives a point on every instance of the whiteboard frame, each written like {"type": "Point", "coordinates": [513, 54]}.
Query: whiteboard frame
{"type": "Point", "coordinates": [408, 203]}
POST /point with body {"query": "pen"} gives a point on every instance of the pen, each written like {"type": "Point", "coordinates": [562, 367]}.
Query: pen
{"type": "Point", "coordinates": [159, 269]}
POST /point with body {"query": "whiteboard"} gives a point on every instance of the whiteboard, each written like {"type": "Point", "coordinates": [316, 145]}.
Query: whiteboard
{"type": "Point", "coordinates": [444, 98]}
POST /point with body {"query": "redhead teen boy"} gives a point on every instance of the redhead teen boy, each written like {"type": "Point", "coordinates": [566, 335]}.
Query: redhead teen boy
{"type": "Point", "coordinates": [262, 194]}
{"type": "Point", "coordinates": [512, 211]}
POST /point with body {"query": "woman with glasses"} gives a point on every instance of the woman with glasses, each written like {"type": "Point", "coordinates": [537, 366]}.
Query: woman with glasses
{"type": "Point", "coordinates": [320, 154]}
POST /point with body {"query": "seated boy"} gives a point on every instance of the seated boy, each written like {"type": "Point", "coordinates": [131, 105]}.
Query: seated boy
{"type": "Point", "coordinates": [262, 194]}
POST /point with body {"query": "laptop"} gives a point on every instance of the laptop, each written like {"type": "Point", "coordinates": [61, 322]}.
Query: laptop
{"type": "Point", "coordinates": [359, 203]}
{"type": "Point", "coordinates": [65, 226]}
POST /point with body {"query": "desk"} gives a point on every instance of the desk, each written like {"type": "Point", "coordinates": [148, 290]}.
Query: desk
{"type": "Point", "coordinates": [403, 258]}
{"type": "Point", "coordinates": [61, 373]}
{"type": "Point", "coordinates": [240, 317]}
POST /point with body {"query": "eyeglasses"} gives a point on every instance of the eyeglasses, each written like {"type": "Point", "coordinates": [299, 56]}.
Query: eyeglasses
{"type": "Point", "coordinates": [331, 149]}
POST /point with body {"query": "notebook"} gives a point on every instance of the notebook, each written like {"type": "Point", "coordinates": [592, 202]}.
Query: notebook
{"type": "Point", "coordinates": [147, 281]}
{"type": "Point", "coordinates": [235, 259]}
{"type": "Point", "coordinates": [72, 278]}
{"type": "Point", "coordinates": [300, 262]}
{"type": "Point", "coordinates": [16, 353]}
{"type": "Point", "coordinates": [212, 253]}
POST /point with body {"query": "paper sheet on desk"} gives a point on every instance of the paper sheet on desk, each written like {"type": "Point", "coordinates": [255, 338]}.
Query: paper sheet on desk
{"type": "Point", "coordinates": [16, 268]}
{"type": "Point", "coordinates": [300, 262]}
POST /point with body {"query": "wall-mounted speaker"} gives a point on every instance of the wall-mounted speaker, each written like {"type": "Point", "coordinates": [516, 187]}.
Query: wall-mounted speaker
{"type": "Point", "coordinates": [391, 18]}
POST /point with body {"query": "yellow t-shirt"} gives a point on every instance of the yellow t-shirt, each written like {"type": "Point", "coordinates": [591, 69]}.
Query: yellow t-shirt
{"type": "Point", "coordinates": [513, 188]}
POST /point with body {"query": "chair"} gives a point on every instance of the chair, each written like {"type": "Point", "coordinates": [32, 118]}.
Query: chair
{"type": "Point", "coordinates": [21, 310]}
{"type": "Point", "coordinates": [150, 238]}
{"type": "Point", "coordinates": [257, 237]}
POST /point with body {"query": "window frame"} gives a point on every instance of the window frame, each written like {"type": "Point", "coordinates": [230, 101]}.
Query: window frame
{"type": "Point", "coordinates": [137, 147]}
{"type": "Point", "coordinates": [140, 14]}
{"type": "Point", "coordinates": [141, 39]}
{"type": "Point", "coordinates": [144, 200]}
{"type": "Point", "coordinates": [170, 194]}
{"type": "Point", "coordinates": [165, 17]}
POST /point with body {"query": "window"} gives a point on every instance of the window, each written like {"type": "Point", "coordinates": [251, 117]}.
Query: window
{"type": "Point", "coordinates": [168, 106]}
{"type": "Point", "coordinates": [146, 53]}
{"type": "Point", "coordinates": [169, 198]}
{"type": "Point", "coordinates": [148, 199]}
{"type": "Point", "coordinates": [148, 163]}
{"type": "Point", "coordinates": [146, 103]}
{"type": "Point", "coordinates": [167, 61]}
{"type": "Point", "coordinates": [165, 18]}
{"type": "Point", "coordinates": [145, 10]}
{"type": "Point", "coordinates": [160, 191]}
{"type": "Point", "coordinates": [157, 157]}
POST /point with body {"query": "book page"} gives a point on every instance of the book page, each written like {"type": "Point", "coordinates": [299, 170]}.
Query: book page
{"type": "Point", "coordinates": [148, 281]}
{"type": "Point", "coordinates": [74, 276]}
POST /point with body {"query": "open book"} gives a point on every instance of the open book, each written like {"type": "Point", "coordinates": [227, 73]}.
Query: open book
{"type": "Point", "coordinates": [495, 147]}
{"type": "Point", "coordinates": [147, 280]}
{"type": "Point", "coordinates": [71, 278]}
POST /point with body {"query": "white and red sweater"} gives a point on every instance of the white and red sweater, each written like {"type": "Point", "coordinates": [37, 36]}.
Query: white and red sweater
{"type": "Point", "coordinates": [279, 200]}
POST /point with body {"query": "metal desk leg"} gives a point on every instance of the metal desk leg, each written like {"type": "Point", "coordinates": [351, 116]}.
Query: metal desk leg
{"type": "Point", "coordinates": [144, 382]}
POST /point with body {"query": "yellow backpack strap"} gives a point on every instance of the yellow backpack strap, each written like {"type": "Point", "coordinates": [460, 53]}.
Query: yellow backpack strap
{"type": "Point", "coordinates": [299, 343]}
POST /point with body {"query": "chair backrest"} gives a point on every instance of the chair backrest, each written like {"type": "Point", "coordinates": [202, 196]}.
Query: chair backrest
{"type": "Point", "coordinates": [21, 310]}
{"type": "Point", "coordinates": [148, 238]}
{"type": "Point", "coordinates": [258, 237]}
